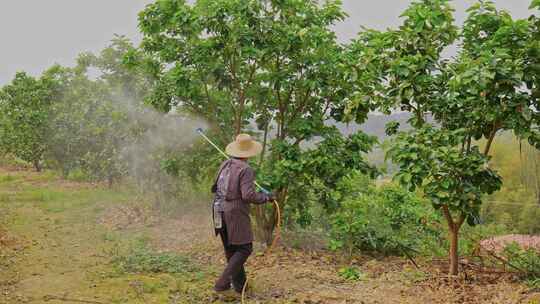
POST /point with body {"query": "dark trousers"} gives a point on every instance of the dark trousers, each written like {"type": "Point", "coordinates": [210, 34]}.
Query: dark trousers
{"type": "Point", "coordinates": [236, 256]}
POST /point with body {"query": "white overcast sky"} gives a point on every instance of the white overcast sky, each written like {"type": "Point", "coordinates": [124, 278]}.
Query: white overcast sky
{"type": "Point", "coordinates": [35, 34]}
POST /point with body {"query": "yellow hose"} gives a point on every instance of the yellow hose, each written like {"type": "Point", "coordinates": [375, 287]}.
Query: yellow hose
{"type": "Point", "coordinates": [274, 242]}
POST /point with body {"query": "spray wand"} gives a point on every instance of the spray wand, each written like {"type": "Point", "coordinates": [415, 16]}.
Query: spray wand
{"type": "Point", "coordinates": [278, 211]}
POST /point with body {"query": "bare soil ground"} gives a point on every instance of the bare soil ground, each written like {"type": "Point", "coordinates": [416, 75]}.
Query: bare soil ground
{"type": "Point", "coordinates": [59, 240]}
{"type": "Point", "coordinates": [296, 276]}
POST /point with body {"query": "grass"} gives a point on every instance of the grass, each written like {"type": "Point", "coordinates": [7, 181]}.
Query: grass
{"type": "Point", "coordinates": [533, 284]}
{"type": "Point", "coordinates": [62, 247]}
{"type": "Point", "coordinates": [142, 259]}
{"type": "Point", "coordinates": [4, 198]}
{"type": "Point", "coordinates": [412, 275]}
{"type": "Point", "coordinates": [7, 178]}
{"type": "Point", "coordinates": [67, 250]}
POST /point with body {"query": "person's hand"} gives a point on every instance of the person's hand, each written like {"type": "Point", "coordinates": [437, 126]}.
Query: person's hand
{"type": "Point", "coordinates": [272, 196]}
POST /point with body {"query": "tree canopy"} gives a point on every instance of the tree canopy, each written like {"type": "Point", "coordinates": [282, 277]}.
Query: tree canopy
{"type": "Point", "coordinates": [487, 88]}
{"type": "Point", "coordinates": [274, 68]}
{"type": "Point", "coordinates": [24, 113]}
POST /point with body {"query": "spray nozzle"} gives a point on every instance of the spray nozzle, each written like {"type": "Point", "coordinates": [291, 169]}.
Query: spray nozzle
{"type": "Point", "coordinates": [263, 190]}
{"type": "Point", "coordinates": [199, 130]}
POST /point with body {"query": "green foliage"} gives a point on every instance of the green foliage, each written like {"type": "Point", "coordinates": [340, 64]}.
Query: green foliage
{"type": "Point", "coordinates": [317, 171]}
{"type": "Point", "coordinates": [488, 88]}
{"type": "Point", "coordinates": [533, 284]}
{"type": "Point", "coordinates": [97, 113]}
{"type": "Point", "coordinates": [487, 85]}
{"type": "Point", "coordinates": [351, 274]}
{"type": "Point", "coordinates": [450, 175]}
{"type": "Point", "coordinates": [392, 128]}
{"type": "Point", "coordinates": [276, 70]}
{"type": "Point", "coordinates": [85, 127]}
{"type": "Point", "coordinates": [78, 175]}
{"type": "Point", "coordinates": [197, 163]}
{"type": "Point", "coordinates": [243, 60]}
{"type": "Point", "coordinates": [141, 259]}
{"type": "Point", "coordinates": [527, 261]}
{"type": "Point", "coordinates": [88, 128]}
{"type": "Point", "coordinates": [471, 236]}
{"type": "Point", "coordinates": [24, 110]}
{"type": "Point", "coordinates": [68, 120]}
{"type": "Point", "coordinates": [386, 220]}
{"type": "Point", "coordinates": [398, 68]}
{"type": "Point", "coordinates": [122, 79]}
{"type": "Point", "coordinates": [271, 66]}
{"type": "Point", "coordinates": [531, 75]}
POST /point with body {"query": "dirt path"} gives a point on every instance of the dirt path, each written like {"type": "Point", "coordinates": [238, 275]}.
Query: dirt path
{"type": "Point", "coordinates": [60, 242]}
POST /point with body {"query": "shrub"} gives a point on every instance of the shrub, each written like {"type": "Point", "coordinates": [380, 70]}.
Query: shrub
{"type": "Point", "coordinates": [472, 236]}
{"type": "Point", "coordinates": [78, 175]}
{"type": "Point", "coordinates": [526, 261]}
{"type": "Point", "coordinates": [387, 220]}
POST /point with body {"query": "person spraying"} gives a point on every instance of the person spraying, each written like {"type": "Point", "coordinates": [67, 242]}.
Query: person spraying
{"type": "Point", "coordinates": [234, 190]}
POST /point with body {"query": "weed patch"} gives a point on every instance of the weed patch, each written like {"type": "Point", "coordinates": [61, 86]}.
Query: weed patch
{"type": "Point", "coordinates": [351, 274]}
{"type": "Point", "coordinates": [413, 275]}
{"type": "Point", "coordinates": [533, 284]}
{"type": "Point", "coordinates": [141, 259]}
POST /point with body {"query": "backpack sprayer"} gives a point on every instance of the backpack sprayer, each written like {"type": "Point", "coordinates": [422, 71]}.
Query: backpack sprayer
{"type": "Point", "coordinates": [276, 205]}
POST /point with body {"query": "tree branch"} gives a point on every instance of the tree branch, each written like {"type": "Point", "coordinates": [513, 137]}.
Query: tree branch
{"type": "Point", "coordinates": [301, 106]}
{"type": "Point", "coordinates": [460, 221]}
{"type": "Point", "coordinates": [495, 128]}
{"type": "Point", "coordinates": [448, 216]}
{"type": "Point", "coordinates": [265, 141]}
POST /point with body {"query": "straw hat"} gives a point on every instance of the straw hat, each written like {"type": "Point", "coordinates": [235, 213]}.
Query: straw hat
{"type": "Point", "coordinates": [244, 147]}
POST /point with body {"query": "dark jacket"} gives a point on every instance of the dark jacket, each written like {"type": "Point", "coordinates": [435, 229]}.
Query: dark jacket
{"type": "Point", "coordinates": [240, 193]}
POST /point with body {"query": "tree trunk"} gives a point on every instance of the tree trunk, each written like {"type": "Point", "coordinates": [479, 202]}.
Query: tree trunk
{"type": "Point", "coordinates": [265, 224]}
{"type": "Point", "coordinates": [110, 181]}
{"type": "Point", "coordinates": [267, 219]}
{"type": "Point", "coordinates": [492, 135]}
{"type": "Point", "coordinates": [536, 157]}
{"type": "Point", "coordinates": [268, 231]}
{"type": "Point", "coordinates": [453, 234]}
{"type": "Point", "coordinates": [65, 172]}
{"type": "Point", "coordinates": [37, 165]}
{"type": "Point", "coordinates": [453, 254]}
{"type": "Point", "coordinates": [265, 142]}
{"type": "Point", "coordinates": [237, 126]}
